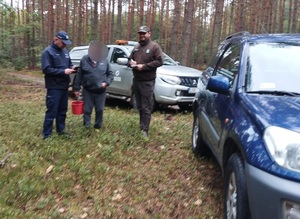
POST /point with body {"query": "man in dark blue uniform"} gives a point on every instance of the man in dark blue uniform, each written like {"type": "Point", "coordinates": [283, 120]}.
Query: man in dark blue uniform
{"type": "Point", "coordinates": [57, 66]}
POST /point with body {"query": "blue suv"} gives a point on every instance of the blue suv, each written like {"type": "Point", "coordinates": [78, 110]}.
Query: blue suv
{"type": "Point", "coordinates": [247, 116]}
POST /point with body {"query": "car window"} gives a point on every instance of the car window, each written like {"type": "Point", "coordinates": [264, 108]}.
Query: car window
{"type": "Point", "coordinates": [228, 66]}
{"type": "Point", "coordinates": [117, 53]}
{"type": "Point", "coordinates": [78, 54]}
{"type": "Point", "coordinates": [274, 69]}
{"type": "Point", "coordinates": [168, 60]}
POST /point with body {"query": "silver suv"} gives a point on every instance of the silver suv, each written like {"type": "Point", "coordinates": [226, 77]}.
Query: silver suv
{"type": "Point", "coordinates": [175, 84]}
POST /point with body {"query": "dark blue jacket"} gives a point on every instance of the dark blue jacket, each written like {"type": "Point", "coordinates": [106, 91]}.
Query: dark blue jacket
{"type": "Point", "coordinates": [54, 63]}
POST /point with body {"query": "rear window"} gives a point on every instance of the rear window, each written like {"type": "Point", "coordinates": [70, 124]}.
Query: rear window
{"type": "Point", "coordinates": [78, 54]}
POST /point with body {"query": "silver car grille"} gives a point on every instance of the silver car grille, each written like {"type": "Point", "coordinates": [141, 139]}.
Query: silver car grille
{"type": "Point", "coordinates": [189, 81]}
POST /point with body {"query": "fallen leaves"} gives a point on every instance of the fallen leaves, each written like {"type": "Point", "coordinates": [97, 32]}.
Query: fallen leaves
{"type": "Point", "coordinates": [117, 195]}
{"type": "Point", "coordinates": [49, 169]}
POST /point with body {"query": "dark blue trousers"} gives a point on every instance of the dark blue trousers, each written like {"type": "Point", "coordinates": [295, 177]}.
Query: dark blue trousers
{"type": "Point", "coordinates": [57, 107]}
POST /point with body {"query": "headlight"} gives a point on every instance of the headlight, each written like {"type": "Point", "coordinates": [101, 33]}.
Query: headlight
{"type": "Point", "coordinates": [170, 79]}
{"type": "Point", "coordinates": [291, 210]}
{"type": "Point", "coordinates": [284, 147]}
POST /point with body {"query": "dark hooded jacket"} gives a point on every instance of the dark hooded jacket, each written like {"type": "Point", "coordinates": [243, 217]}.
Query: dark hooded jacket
{"type": "Point", "coordinates": [91, 75]}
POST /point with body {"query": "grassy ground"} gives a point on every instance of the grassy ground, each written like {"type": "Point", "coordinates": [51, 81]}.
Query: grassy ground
{"type": "Point", "coordinates": [110, 173]}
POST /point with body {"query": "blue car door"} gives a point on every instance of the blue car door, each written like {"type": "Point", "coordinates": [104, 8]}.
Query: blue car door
{"type": "Point", "coordinates": [218, 104]}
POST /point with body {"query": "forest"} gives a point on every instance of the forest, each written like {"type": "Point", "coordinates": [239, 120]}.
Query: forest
{"type": "Point", "coordinates": [188, 30]}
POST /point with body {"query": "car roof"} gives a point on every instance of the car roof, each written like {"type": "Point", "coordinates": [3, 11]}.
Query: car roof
{"type": "Point", "coordinates": [274, 37]}
{"type": "Point", "coordinates": [128, 47]}
{"type": "Point", "coordinates": [119, 43]}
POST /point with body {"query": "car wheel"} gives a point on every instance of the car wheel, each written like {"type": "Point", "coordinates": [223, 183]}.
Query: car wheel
{"type": "Point", "coordinates": [198, 146]}
{"type": "Point", "coordinates": [236, 198]}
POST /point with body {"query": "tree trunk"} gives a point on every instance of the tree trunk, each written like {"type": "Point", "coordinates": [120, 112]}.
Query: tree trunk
{"type": "Point", "coordinates": [281, 15]}
{"type": "Point", "coordinates": [161, 22]}
{"type": "Point", "coordinates": [290, 16]}
{"type": "Point", "coordinates": [167, 25]}
{"type": "Point", "coordinates": [119, 20]}
{"type": "Point", "coordinates": [240, 15]}
{"type": "Point", "coordinates": [80, 28]}
{"type": "Point", "coordinates": [175, 31]}
{"type": "Point", "coordinates": [74, 22]}
{"type": "Point", "coordinates": [188, 27]}
{"type": "Point", "coordinates": [111, 19]}
{"type": "Point", "coordinates": [295, 17]}
{"type": "Point", "coordinates": [51, 20]}
{"type": "Point", "coordinates": [32, 57]}
{"type": "Point", "coordinates": [131, 20]}
{"type": "Point", "coordinates": [141, 13]}
{"type": "Point", "coordinates": [218, 17]}
{"type": "Point", "coordinates": [94, 27]}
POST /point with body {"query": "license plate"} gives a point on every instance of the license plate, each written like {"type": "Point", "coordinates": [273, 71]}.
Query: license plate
{"type": "Point", "coordinates": [117, 78]}
{"type": "Point", "coordinates": [192, 90]}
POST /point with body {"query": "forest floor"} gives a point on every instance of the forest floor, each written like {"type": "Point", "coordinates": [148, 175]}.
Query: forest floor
{"type": "Point", "coordinates": [108, 173]}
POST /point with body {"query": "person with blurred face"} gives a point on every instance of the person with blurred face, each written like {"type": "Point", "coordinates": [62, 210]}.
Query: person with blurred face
{"type": "Point", "coordinates": [56, 66]}
{"type": "Point", "coordinates": [144, 59]}
{"type": "Point", "coordinates": [94, 75]}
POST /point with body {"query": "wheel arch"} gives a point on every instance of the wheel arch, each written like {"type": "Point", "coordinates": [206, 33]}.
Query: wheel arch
{"type": "Point", "coordinates": [231, 146]}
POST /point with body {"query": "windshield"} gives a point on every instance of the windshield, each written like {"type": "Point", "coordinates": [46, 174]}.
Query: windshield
{"type": "Point", "coordinates": [273, 67]}
{"type": "Point", "coordinates": [168, 60]}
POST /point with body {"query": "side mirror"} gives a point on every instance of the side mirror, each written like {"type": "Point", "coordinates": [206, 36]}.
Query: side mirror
{"type": "Point", "coordinates": [218, 84]}
{"type": "Point", "coordinates": [122, 61]}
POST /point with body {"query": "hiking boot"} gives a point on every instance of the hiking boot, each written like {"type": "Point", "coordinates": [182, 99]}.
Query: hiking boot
{"type": "Point", "coordinates": [97, 126]}
{"type": "Point", "coordinates": [145, 134]}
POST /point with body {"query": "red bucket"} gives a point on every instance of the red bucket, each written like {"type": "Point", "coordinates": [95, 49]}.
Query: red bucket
{"type": "Point", "coordinates": [77, 107]}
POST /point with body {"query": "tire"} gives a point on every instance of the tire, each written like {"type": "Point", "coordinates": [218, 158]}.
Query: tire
{"type": "Point", "coordinates": [198, 146]}
{"type": "Point", "coordinates": [235, 198]}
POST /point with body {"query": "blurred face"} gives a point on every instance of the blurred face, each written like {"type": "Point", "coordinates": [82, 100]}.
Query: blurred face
{"type": "Point", "coordinates": [97, 51]}
{"type": "Point", "coordinates": [59, 43]}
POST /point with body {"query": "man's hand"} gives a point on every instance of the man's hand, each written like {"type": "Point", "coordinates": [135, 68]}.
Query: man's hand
{"type": "Point", "coordinates": [132, 63]}
{"type": "Point", "coordinates": [69, 71]}
{"type": "Point", "coordinates": [76, 94]}
{"type": "Point", "coordinates": [104, 85]}
{"type": "Point", "coordinates": [139, 67]}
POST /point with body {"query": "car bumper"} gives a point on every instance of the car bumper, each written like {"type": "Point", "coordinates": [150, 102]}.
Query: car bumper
{"type": "Point", "coordinates": [268, 193]}
{"type": "Point", "coordinates": [173, 94]}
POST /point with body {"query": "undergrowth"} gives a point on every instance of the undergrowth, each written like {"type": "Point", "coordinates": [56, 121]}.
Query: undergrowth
{"type": "Point", "coordinates": [108, 173]}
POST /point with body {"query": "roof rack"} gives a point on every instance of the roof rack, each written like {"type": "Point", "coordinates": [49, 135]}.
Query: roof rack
{"type": "Point", "coordinates": [126, 42]}
{"type": "Point", "coordinates": [242, 33]}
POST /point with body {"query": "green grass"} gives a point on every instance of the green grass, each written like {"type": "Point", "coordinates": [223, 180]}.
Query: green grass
{"type": "Point", "coordinates": [110, 173]}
